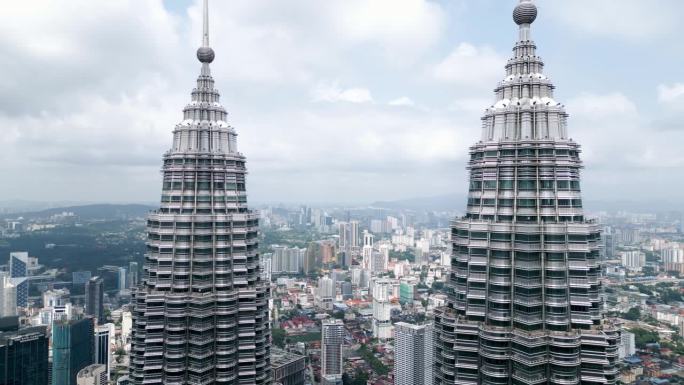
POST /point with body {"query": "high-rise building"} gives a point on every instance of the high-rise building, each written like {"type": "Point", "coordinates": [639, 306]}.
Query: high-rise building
{"type": "Point", "coordinates": [326, 292]}
{"type": "Point", "coordinates": [524, 291]}
{"type": "Point", "coordinates": [201, 313]}
{"type": "Point", "coordinates": [95, 374]}
{"type": "Point", "coordinates": [8, 296]}
{"type": "Point", "coordinates": [133, 273]}
{"type": "Point", "coordinates": [79, 278]}
{"type": "Point", "coordinates": [347, 291]}
{"type": "Point", "coordinates": [56, 297]}
{"type": "Point", "coordinates": [343, 229]}
{"type": "Point", "coordinates": [288, 368]}
{"type": "Point", "coordinates": [102, 349]}
{"type": "Point", "coordinates": [633, 260]}
{"type": "Point", "coordinates": [407, 290]}
{"type": "Point", "coordinates": [413, 354]}
{"type": "Point", "coordinates": [18, 264]}
{"type": "Point", "coordinates": [627, 344]}
{"type": "Point", "coordinates": [332, 340]}
{"type": "Point", "coordinates": [367, 250]}
{"type": "Point", "coordinates": [122, 280]}
{"type": "Point", "coordinates": [382, 308]}
{"type": "Point", "coordinates": [354, 234]}
{"type": "Point", "coordinates": [24, 357]}
{"type": "Point", "coordinates": [311, 257]}
{"type": "Point", "coordinates": [94, 299]}
{"type": "Point", "coordinates": [19, 271]}
{"type": "Point", "coordinates": [73, 342]}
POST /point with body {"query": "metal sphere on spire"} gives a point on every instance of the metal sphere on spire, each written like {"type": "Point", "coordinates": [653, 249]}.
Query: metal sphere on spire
{"type": "Point", "coordinates": [205, 54]}
{"type": "Point", "coordinates": [525, 12]}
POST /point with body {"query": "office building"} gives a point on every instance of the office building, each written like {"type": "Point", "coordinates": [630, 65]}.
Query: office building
{"type": "Point", "coordinates": [627, 346]}
{"type": "Point", "coordinates": [8, 296]}
{"type": "Point", "coordinates": [79, 278]}
{"type": "Point", "coordinates": [347, 291]}
{"type": "Point", "coordinates": [24, 356]}
{"type": "Point", "coordinates": [73, 343]}
{"type": "Point", "coordinates": [326, 292]}
{"type": "Point", "coordinates": [133, 274]}
{"type": "Point", "coordinates": [287, 368]}
{"type": "Point", "coordinates": [407, 290]}
{"type": "Point", "coordinates": [95, 374]}
{"type": "Point", "coordinates": [94, 299]}
{"type": "Point", "coordinates": [102, 349]}
{"type": "Point", "coordinates": [332, 340]}
{"type": "Point", "coordinates": [382, 325]}
{"type": "Point", "coordinates": [413, 354]}
{"type": "Point", "coordinates": [354, 234]}
{"type": "Point", "coordinates": [524, 291]}
{"type": "Point", "coordinates": [19, 263]}
{"type": "Point", "coordinates": [122, 280]}
{"type": "Point", "coordinates": [201, 313]}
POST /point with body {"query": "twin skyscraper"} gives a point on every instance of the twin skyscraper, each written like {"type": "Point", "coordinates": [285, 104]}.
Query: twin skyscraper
{"type": "Point", "coordinates": [524, 291]}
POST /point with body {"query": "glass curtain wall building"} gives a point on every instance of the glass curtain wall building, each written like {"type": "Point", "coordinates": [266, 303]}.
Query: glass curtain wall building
{"type": "Point", "coordinates": [524, 292]}
{"type": "Point", "coordinates": [200, 315]}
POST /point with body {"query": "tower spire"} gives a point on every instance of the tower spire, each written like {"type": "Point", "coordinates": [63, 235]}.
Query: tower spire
{"type": "Point", "coordinates": [205, 35]}
{"type": "Point", "coordinates": [524, 15]}
{"type": "Point", "coordinates": [205, 54]}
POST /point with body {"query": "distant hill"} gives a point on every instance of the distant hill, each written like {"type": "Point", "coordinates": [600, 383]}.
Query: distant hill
{"type": "Point", "coordinates": [91, 212]}
{"type": "Point", "coordinates": [448, 202]}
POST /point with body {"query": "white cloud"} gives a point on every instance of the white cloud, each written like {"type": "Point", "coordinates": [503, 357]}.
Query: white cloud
{"type": "Point", "coordinates": [593, 106]}
{"type": "Point", "coordinates": [407, 25]}
{"type": "Point", "coordinates": [670, 94]}
{"type": "Point", "coordinates": [331, 92]}
{"type": "Point", "coordinates": [403, 101]}
{"type": "Point", "coordinates": [628, 19]}
{"type": "Point", "coordinates": [471, 105]}
{"type": "Point", "coordinates": [469, 65]}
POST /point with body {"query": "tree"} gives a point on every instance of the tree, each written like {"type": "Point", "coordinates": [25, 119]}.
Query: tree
{"type": "Point", "coordinates": [632, 314]}
{"type": "Point", "coordinates": [642, 337]}
{"type": "Point", "coordinates": [278, 337]}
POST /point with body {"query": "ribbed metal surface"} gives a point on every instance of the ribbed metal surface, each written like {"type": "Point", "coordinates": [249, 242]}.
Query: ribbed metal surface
{"type": "Point", "coordinates": [524, 303]}
{"type": "Point", "coordinates": [200, 315]}
{"type": "Point", "coordinates": [525, 13]}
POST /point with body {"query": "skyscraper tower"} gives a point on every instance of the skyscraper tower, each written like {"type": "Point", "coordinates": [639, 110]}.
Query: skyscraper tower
{"type": "Point", "coordinates": [524, 304]}
{"type": "Point", "coordinates": [94, 299]}
{"type": "Point", "coordinates": [413, 361]}
{"type": "Point", "coordinates": [200, 315]}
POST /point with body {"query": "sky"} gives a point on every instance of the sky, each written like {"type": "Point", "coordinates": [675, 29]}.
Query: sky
{"type": "Point", "coordinates": [347, 101]}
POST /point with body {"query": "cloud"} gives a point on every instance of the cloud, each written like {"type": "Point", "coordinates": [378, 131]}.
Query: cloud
{"type": "Point", "coordinates": [473, 66]}
{"type": "Point", "coordinates": [403, 101]}
{"type": "Point", "coordinates": [331, 92]}
{"type": "Point", "coordinates": [593, 106]}
{"type": "Point", "coordinates": [471, 105]}
{"type": "Point", "coordinates": [671, 94]}
{"type": "Point", "coordinates": [634, 20]}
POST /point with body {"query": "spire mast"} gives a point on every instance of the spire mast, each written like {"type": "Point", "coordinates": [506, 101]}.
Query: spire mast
{"type": "Point", "coordinates": [524, 15]}
{"type": "Point", "coordinates": [205, 35]}
{"type": "Point", "coordinates": [205, 54]}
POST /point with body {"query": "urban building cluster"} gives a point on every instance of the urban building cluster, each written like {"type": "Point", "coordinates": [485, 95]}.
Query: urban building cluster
{"type": "Point", "coordinates": [522, 287]}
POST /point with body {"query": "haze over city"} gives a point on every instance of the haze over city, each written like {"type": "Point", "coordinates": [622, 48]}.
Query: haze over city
{"type": "Point", "coordinates": [347, 101]}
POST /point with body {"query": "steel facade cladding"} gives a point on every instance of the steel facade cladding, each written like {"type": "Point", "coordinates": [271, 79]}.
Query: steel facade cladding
{"type": "Point", "coordinates": [201, 313]}
{"type": "Point", "coordinates": [524, 291]}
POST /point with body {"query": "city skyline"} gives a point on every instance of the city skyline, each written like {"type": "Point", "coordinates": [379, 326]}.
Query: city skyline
{"type": "Point", "coordinates": [391, 108]}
